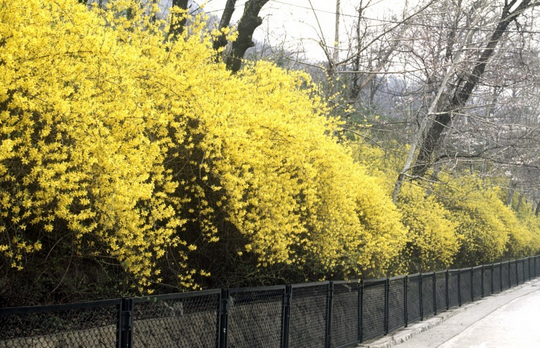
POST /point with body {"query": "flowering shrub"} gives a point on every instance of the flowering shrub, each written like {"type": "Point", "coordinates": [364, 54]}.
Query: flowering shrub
{"type": "Point", "coordinates": [490, 230]}
{"type": "Point", "coordinates": [432, 240]}
{"type": "Point", "coordinates": [459, 221]}
{"type": "Point", "coordinates": [118, 142]}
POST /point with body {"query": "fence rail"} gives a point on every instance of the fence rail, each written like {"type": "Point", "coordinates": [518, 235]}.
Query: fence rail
{"type": "Point", "coordinates": [324, 314]}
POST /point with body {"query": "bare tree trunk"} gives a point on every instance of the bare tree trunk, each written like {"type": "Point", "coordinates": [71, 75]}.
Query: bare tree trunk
{"type": "Point", "coordinates": [221, 41]}
{"type": "Point", "coordinates": [336, 33]}
{"type": "Point", "coordinates": [420, 134]}
{"type": "Point", "coordinates": [511, 191]}
{"type": "Point", "coordinates": [520, 201]}
{"type": "Point", "coordinates": [383, 60]}
{"type": "Point", "coordinates": [464, 89]}
{"type": "Point", "coordinates": [382, 63]}
{"type": "Point", "coordinates": [355, 91]}
{"type": "Point", "coordinates": [248, 23]}
{"type": "Point", "coordinates": [179, 24]}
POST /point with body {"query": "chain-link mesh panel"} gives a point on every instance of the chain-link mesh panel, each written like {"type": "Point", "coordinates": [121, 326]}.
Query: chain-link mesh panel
{"type": "Point", "coordinates": [441, 291]}
{"type": "Point", "coordinates": [413, 299]}
{"type": "Point", "coordinates": [477, 283]}
{"type": "Point", "coordinates": [176, 322]}
{"type": "Point", "coordinates": [49, 327]}
{"type": "Point", "coordinates": [308, 316]}
{"type": "Point", "coordinates": [505, 275]}
{"type": "Point", "coordinates": [453, 291]}
{"type": "Point", "coordinates": [466, 286]}
{"type": "Point", "coordinates": [345, 314]}
{"type": "Point", "coordinates": [428, 308]}
{"type": "Point", "coordinates": [373, 316]}
{"type": "Point", "coordinates": [255, 318]}
{"type": "Point", "coordinates": [396, 303]}
{"type": "Point", "coordinates": [537, 266]}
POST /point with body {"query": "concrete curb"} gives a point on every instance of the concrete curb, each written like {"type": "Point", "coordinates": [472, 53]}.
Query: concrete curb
{"type": "Point", "coordinates": [405, 334]}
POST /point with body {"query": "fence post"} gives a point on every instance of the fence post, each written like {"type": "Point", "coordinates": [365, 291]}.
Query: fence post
{"type": "Point", "coordinates": [523, 280]}
{"type": "Point", "coordinates": [492, 283]}
{"type": "Point", "coordinates": [223, 325]}
{"type": "Point", "coordinates": [386, 305]}
{"type": "Point", "coordinates": [482, 282]}
{"type": "Point", "coordinates": [434, 293]}
{"type": "Point", "coordinates": [447, 288]}
{"type": "Point", "coordinates": [361, 311]}
{"type": "Point", "coordinates": [405, 297]}
{"type": "Point", "coordinates": [525, 277]}
{"type": "Point", "coordinates": [509, 274]}
{"type": "Point", "coordinates": [459, 286]}
{"type": "Point", "coordinates": [472, 284]}
{"type": "Point", "coordinates": [421, 296]}
{"type": "Point", "coordinates": [500, 275]}
{"type": "Point", "coordinates": [124, 337]}
{"type": "Point", "coordinates": [516, 268]}
{"type": "Point", "coordinates": [329, 308]}
{"type": "Point", "coordinates": [286, 316]}
{"type": "Point", "coordinates": [522, 270]}
{"type": "Point", "coordinates": [528, 268]}
{"type": "Point", "coordinates": [517, 271]}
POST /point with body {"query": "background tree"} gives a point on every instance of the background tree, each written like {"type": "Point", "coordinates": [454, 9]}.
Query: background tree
{"type": "Point", "coordinates": [456, 90]}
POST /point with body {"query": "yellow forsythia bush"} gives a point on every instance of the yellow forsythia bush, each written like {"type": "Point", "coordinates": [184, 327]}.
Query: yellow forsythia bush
{"type": "Point", "coordinates": [531, 224]}
{"type": "Point", "coordinates": [142, 149]}
{"type": "Point", "coordinates": [459, 221]}
{"type": "Point", "coordinates": [490, 230]}
{"type": "Point", "coordinates": [432, 240]}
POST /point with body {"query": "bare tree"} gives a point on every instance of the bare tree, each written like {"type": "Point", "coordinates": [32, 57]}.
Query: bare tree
{"type": "Point", "coordinates": [464, 57]}
{"type": "Point", "coordinates": [248, 23]}
{"type": "Point", "coordinates": [179, 20]}
{"type": "Point", "coordinates": [221, 41]}
{"type": "Point", "coordinates": [464, 86]}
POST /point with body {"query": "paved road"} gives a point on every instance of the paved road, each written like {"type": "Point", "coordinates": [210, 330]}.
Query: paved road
{"type": "Point", "coordinates": [508, 320]}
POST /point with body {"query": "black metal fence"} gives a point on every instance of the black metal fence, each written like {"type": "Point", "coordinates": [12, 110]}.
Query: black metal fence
{"type": "Point", "coordinates": [324, 314]}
